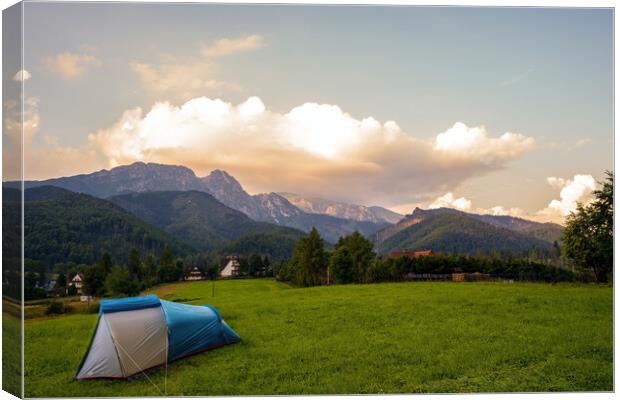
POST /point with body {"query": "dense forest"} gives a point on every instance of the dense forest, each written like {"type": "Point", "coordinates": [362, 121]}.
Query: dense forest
{"type": "Point", "coordinates": [200, 220]}
{"type": "Point", "coordinates": [64, 226]}
{"type": "Point", "coordinates": [457, 233]}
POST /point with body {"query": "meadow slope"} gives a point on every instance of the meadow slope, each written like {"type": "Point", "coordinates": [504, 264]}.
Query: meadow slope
{"type": "Point", "coordinates": [383, 338]}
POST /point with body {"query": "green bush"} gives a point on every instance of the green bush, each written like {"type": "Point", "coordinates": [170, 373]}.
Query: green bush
{"type": "Point", "coordinates": [57, 307]}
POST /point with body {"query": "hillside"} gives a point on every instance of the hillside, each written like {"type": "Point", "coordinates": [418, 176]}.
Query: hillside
{"type": "Point", "coordinates": [201, 220]}
{"type": "Point", "coordinates": [456, 233]}
{"type": "Point", "coordinates": [548, 232]}
{"type": "Point", "coordinates": [60, 225]}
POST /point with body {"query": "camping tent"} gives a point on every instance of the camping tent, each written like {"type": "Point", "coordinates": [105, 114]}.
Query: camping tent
{"type": "Point", "coordinates": [137, 333]}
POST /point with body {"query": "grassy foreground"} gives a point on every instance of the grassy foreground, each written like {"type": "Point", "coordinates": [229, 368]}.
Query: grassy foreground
{"type": "Point", "coordinates": [381, 338]}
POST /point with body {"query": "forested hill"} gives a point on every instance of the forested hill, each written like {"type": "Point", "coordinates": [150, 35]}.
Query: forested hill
{"type": "Point", "coordinates": [457, 233]}
{"type": "Point", "coordinates": [60, 226]}
{"type": "Point", "coordinates": [201, 220]}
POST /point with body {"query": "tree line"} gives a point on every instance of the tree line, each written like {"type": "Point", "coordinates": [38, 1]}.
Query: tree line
{"type": "Point", "coordinates": [587, 249]}
{"type": "Point", "coordinates": [354, 261]}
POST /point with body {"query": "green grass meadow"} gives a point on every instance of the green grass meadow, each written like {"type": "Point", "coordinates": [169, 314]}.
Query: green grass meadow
{"type": "Point", "coordinates": [418, 337]}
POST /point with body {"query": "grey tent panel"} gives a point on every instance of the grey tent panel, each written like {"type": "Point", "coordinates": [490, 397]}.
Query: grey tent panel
{"type": "Point", "coordinates": [141, 338]}
{"type": "Point", "coordinates": [102, 360]}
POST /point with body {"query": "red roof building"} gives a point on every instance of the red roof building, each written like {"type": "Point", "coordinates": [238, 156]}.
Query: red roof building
{"type": "Point", "coordinates": [410, 254]}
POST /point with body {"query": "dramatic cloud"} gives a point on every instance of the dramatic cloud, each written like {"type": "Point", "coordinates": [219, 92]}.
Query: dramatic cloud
{"type": "Point", "coordinates": [71, 65]}
{"type": "Point", "coordinates": [573, 191]}
{"type": "Point", "coordinates": [315, 149]}
{"type": "Point", "coordinates": [21, 75]}
{"type": "Point", "coordinates": [227, 46]}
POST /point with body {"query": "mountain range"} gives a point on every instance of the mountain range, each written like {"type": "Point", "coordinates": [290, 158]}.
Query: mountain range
{"type": "Point", "coordinates": [215, 212]}
{"type": "Point", "coordinates": [267, 207]}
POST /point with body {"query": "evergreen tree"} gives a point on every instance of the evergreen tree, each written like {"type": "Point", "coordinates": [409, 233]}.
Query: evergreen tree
{"type": "Point", "coordinates": [255, 264]}
{"type": "Point", "coordinates": [94, 280]}
{"type": "Point", "coordinates": [106, 263]}
{"type": "Point", "coordinates": [119, 282]}
{"type": "Point", "coordinates": [133, 264]}
{"type": "Point", "coordinates": [309, 260]}
{"type": "Point", "coordinates": [341, 266]}
{"type": "Point", "coordinates": [360, 253]}
{"type": "Point", "coordinates": [149, 271]}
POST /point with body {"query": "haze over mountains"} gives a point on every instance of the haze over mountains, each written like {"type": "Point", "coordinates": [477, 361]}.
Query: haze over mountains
{"type": "Point", "coordinates": [213, 211]}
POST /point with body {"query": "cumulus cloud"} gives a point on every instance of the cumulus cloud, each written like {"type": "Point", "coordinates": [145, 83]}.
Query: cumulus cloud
{"type": "Point", "coordinates": [448, 200]}
{"type": "Point", "coordinates": [227, 46]}
{"type": "Point", "coordinates": [21, 76]}
{"type": "Point", "coordinates": [71, 65]}
{"type": "Point", "coordinates": [463, 141]}
{"type": "Point", "coordinates": [315, 149]}
{"type": "Point", "coordinates": [573, 191]}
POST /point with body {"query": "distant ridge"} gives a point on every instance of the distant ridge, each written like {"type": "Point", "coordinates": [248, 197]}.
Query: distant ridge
{"type": "Point", "coordinates": [450, 230]}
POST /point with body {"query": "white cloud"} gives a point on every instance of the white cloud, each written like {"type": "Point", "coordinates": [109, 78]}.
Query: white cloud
{"type": "Point", "coordinates": [315, 149]}
{"type": "Point", "coordinates": [21, 75]}
{"type": "Point", "coordinates": [448, 200]}
{"type": "Point", "coordinates": [462, 141]}
{"type": "Point", "coordinates": [227, 46]}
{"type": "Point", "coordinates": [71, 65]}
{"type": "Point", "coordinates": [17, 122]}
{"type": "Point", "coordinates": [573, 191]}
{"type": "Point", "coordinates": [181, 80]}
{"type": "Point", "coordinates": [580, 143]}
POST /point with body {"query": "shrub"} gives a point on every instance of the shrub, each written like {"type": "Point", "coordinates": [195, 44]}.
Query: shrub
{"type": "Point", "coordinates": [57, 307]}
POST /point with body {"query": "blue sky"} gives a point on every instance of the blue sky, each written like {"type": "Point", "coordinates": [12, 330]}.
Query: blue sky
{"type": "Point", "coordinates": [543, 73]}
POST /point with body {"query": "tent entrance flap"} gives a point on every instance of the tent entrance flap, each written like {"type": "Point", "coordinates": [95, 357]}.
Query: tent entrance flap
{"type": "Point", "coordinates": [101, 359]}
{"type": "Point", "coordinates": [141, 338]}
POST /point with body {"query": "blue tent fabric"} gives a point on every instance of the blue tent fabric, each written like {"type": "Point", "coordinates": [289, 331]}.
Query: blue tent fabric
{"type": "Point", "coordinates": [194, 328]}
{"type": "Point", "coordinates": [129, 304]}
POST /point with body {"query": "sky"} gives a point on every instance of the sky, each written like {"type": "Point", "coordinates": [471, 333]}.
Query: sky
{"type": "Point", "coordinates": [492, 110]}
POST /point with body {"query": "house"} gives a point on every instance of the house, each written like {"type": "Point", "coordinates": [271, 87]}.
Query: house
{"type": "Point", "coordinates": [231, 268]}
{"type": "Point", "coordinates": [50, 288]}
{"type": "Point", "coordinates": [194, 274]}
{"type": "Point", "coordinates": [77, 281]}
{"type": "Point", "coordinates": [410, 254]}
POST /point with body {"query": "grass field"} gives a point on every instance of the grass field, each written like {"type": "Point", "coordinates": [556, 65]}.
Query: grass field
{"type": "Point", "coordinates": [382, 338]}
